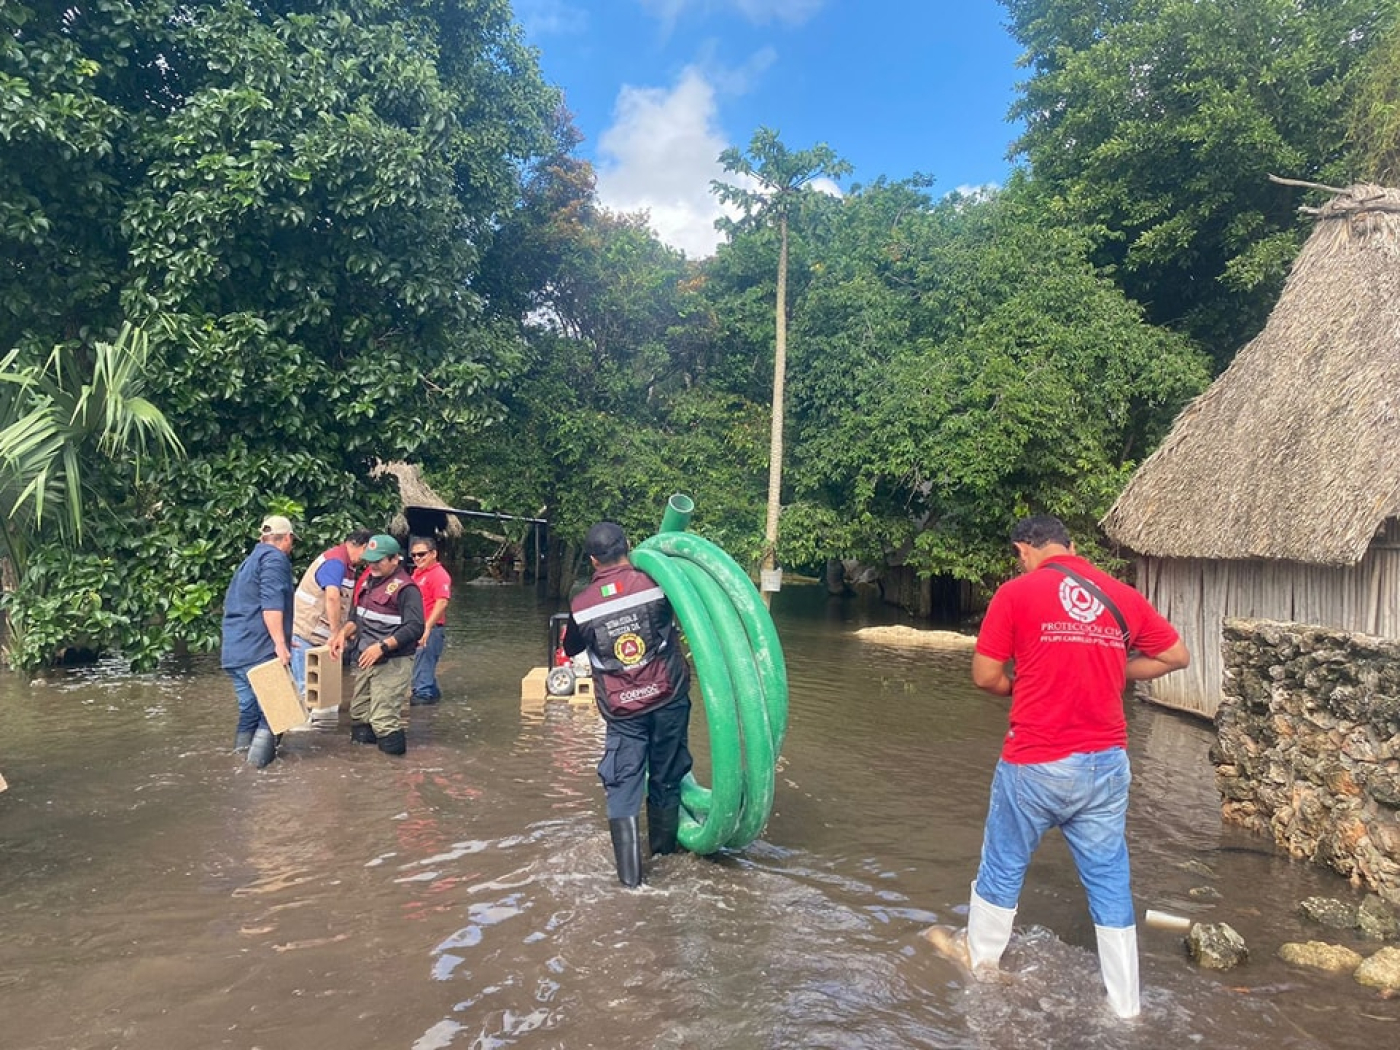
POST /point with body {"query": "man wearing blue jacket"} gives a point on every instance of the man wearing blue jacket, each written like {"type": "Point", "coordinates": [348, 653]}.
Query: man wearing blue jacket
{"type": "Point", "coordinates": [257, 627]}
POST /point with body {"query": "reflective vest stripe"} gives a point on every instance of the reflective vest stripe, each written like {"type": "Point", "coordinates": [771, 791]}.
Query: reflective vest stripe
{"type": "Point", "coordinates": [617, 605]}
{"type": "Point", "coordinates": [379, 617]}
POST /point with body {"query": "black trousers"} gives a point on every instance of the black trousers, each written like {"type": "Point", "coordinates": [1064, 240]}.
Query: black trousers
{"type": "Point", "coordinates": [651, 750]}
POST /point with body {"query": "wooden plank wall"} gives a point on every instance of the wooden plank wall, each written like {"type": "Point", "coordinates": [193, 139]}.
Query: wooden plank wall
{"type": "Point", "coordinates": [1196, 595]}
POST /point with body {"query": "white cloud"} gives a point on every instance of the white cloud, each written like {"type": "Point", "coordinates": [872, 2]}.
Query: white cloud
{"type": "Point", "coordinates": [660, 155]}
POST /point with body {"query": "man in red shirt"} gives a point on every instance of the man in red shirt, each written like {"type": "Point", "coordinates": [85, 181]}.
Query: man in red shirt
{"type": "Point", "coordinates": [1075, 637]}
{"type": "Point", "coordinates": [436, 585]}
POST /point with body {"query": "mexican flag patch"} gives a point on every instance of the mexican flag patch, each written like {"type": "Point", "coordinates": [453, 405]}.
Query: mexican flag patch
{"type": "Point", "coordinates": [608, 590]}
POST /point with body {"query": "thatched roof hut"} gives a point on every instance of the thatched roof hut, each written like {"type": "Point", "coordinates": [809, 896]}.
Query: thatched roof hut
{"type": "Point", "coordinates": [1277, 492]}
{"type": "Point", "coordinates": [422, 511]}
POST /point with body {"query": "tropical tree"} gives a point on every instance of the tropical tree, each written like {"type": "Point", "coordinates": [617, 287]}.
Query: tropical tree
{"type": "Point", "coordinates": [773, 183]}
{"type": "Point", "coordinates": [1155, 124]}
{"type": "Point", "coordinates": [304, 195]}
{"type": "Point", "coordinates": [57, 415]}
{"type": "Point", "coordinates": [67, 423]}
{"type": "Point", "coordinates": [963, 364]}
{"type": "Point", "coordinates": [614, 409]}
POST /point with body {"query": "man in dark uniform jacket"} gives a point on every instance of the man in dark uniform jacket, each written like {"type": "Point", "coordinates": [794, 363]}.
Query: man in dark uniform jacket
{"type": "Point", "coordinates": [641, 684]}
{"type": "Point", "coordinates": [382, 632]}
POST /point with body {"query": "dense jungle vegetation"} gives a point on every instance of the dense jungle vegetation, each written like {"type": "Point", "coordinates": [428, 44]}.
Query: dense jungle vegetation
{"type": "Point", "coordinates": [249, 249]}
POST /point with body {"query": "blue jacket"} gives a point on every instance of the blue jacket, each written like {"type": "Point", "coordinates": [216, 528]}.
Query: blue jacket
{"type": "Point", "coordinates": [262, 582]}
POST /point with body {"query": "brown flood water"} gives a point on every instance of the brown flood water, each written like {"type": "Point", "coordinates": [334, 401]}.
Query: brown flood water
{"type": "Point", "coordinates": [158, 894]}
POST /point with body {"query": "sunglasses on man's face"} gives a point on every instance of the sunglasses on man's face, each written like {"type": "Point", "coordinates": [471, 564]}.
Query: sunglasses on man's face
{"type": "Point", "coordinates": [415, 555]}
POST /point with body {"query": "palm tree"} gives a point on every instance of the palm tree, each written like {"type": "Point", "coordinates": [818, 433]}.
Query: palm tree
{"type": "Point", "coordinates": [775, 179]}
{"type": "Point", "coordinates": [54, 422]}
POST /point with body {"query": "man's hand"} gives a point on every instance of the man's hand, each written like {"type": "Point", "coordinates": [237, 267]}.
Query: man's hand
{"type": "Point", "coordinates": [371, 656]}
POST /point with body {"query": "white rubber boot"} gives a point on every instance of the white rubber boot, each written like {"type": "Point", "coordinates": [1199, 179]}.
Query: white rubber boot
{"type": "Point", "coordinates": [1118, 961]}
{"type": "Point", "coordinates": [988, 931]}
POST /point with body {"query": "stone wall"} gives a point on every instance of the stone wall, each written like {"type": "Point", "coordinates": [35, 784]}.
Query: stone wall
{"type": "Point", "coordinates": [1309, 745]}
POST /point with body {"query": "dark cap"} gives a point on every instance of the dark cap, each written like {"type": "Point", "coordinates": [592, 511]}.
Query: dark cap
{"type": "Point", "coordinates": [605, 541]}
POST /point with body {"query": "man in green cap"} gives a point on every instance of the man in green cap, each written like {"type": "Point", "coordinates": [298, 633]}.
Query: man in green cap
{"type": "Point", "coordinates": [385, 623]}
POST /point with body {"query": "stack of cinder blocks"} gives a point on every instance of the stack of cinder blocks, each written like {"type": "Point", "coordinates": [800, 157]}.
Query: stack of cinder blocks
{"type": "Point", "coordinates": [325, 685]}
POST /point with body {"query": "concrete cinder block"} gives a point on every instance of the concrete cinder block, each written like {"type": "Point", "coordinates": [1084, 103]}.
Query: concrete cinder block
{"type": "Point", "coordinates": [326, 681]}
{"type": "Point", "coordinates": [277, 695]}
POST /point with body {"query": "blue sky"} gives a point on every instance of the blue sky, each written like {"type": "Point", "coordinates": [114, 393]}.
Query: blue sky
{"type": "Point", "coordinates": [660, 87]}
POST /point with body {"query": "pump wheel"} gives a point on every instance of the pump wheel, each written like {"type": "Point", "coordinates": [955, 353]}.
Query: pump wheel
{"type": "Point", "coordinates": [560, 682]}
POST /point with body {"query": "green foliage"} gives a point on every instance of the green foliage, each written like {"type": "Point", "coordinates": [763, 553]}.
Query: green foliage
{"type": "Point", "coordinates": [302, 196]}
{"type": "Point", "coordinates": [773, 179]}
{"type": "Point", "coordinates": [970, 368]}
{"type": "Point", "coordinates": [776, 180]}
{"type": "Point", "coordinates": [1156, 125]}
{"type": "Point", "coordinates": [1374, 130]}
{"type": "Point", "coordinates": [357, 231]}
{"type": "Point", "coordinates": [152, 574]}
{"type": "Point", "coordinates": [66, 414]}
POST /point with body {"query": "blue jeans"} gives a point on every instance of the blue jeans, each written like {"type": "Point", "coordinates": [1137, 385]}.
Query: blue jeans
{"type": "Point", "coordinates": [425, 661]}
{"type": "Point", "coordinates": [1086, 797]}
{"type": "Point", "coordinates": [250, 716]}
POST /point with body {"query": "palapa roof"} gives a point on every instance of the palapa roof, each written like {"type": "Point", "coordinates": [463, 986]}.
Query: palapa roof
{"type": "Point", "coordinates": [414, 492]}
{"type": "Point", "coordinates": [1294, 451]}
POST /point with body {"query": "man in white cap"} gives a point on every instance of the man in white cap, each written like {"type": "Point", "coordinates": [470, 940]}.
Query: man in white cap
{"type": "Point", "coordinates": [257, 627]}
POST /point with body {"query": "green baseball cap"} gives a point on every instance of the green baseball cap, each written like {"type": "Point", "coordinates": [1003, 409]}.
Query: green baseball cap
{"type": "Point", "coordinates": [381, 547]}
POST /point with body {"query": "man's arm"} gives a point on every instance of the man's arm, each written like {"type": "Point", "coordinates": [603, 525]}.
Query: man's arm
{"type": "Point", "coordinates": [333, 607]}
{"type": "Point", "coordinates": [411, 609]}
{"type": "Point", "coordinates": [1144, 668]}
{"type": "Point", "coordinates": [439, 610]}
{"type": "Point", "coordinates": [990, 675]}
{"type": "Point", "coordinates": [272, 620]}
{"type": "Point", "coordinates": [574, 641]}
{"type": "Point", "coordinates": [343, 636]}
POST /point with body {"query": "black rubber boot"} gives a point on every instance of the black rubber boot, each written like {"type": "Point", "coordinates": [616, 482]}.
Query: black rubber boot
{"type": "Point", "coordinates": [263, 749]}
{"type": "Point", "coordinates": [662, 825]}
{"type": "Point", "coordinates": [395, 743]}
{"type": "Point", "coordinates": [362, 733]}
{"type": "Point", "coordinates": [242, 741]}
{"type": "Point", "coordinates": [627, 850]}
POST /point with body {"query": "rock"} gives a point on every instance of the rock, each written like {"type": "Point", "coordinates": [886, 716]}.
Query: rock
{"type": "Point", "coordinates": [1320, 956]}
{"type": "Point", "coordinates": [1381, 970]}
{"type": "Point", "coordinates": [1376, 920]}
{"type": "Point", "coordinates": [1329, 912]}
{"type": "Point", "coordinates": [1216, 946]}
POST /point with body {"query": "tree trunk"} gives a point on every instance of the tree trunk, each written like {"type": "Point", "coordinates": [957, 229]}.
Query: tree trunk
{"type": "Point", "coordinates": [775, 444]}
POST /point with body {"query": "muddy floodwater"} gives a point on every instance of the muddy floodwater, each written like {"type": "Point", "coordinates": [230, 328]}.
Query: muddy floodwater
{"type": "Point", "coordinates": [158, 894]}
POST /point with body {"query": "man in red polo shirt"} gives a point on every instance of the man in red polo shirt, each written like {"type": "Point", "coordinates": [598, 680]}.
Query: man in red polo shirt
{"type": "Point", "coordinates": [1073, 637]}
{"type": "Point", "coordinates": [436, 585]}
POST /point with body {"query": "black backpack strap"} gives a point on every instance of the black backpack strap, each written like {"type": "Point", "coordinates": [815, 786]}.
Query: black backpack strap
{"type": "Point", "coordinates": [1097, 592]}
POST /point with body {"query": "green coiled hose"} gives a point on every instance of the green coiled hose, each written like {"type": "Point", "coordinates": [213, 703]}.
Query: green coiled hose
{"type": "Point", "coordinates": [742, 676]}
